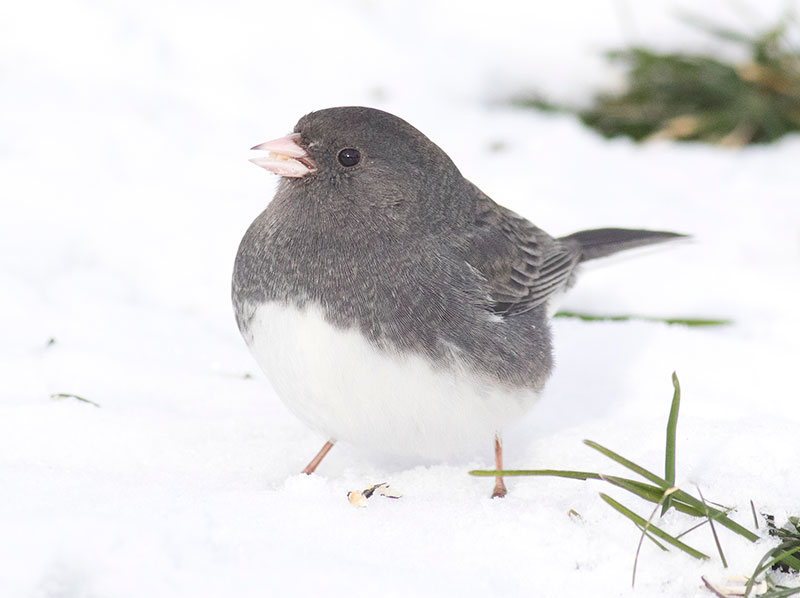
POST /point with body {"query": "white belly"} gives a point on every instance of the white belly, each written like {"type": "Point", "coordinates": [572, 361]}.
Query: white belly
{"type": "Point", "coordinates": [336, 382]}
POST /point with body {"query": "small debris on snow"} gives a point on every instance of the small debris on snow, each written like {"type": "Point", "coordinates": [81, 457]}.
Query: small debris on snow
{"type": "Point", "coordinates": [736, 587]}
{"type": "Point", "coordinates": [358, 498]}
{"type": "Point", "coordinates": [387, 491]}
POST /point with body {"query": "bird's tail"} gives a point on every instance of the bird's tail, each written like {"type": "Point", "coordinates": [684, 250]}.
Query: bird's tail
{"type": "Point", "coordinates": [601, 242]}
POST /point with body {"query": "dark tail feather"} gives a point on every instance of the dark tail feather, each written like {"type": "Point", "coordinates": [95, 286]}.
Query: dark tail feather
{"type": "Point", "coordinates": [601, 242]}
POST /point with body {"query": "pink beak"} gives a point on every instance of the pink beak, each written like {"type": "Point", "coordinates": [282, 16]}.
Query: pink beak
{"type": "Point", "coordinates": [286, 157]}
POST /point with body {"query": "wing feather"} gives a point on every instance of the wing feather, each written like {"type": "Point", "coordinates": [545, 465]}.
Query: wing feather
{"type": "Point", "coordinates": [523, 266]}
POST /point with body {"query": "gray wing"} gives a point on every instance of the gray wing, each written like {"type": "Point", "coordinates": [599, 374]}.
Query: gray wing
{"type": "Point", "coordinates": [523, 265]}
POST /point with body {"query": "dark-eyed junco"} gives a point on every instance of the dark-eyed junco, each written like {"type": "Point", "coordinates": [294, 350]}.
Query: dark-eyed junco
{"type": "Point", "coordinates": [390, 302]}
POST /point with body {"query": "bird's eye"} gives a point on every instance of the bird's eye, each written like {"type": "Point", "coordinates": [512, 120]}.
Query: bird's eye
{"type": "Point", "coordinates": [349, 156]}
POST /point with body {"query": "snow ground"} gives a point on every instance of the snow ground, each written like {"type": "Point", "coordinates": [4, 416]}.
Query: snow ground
{"type": "Point", "coordinates": [125, 190]}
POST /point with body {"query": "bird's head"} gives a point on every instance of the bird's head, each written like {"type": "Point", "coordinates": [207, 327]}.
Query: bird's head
{"type": "Point", "coordinates": [368, 158]}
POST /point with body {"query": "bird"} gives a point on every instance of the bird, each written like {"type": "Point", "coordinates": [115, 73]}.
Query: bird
{"type": "Point", "coordinates": [391, 303]}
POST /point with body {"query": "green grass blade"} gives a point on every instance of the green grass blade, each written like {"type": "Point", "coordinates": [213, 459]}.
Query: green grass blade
{"type": "Point", "coordinates": [717, 515]}
{"type": "Point", "coordinates": [641, 539]}
{"type": "Point", "coordinates": [764, 564]}
{"type": "Point", "coordinates": [691, 529]}
{"type": "Point", "coordinates": [714, 532]}
{"type": "Point", "coordinates": [672, 425]}
{"type": "Point", "coordinates": [680, 495]}
{"type": "Point", "coordinates": [66, 395]}
{"type": "Point", "coordinates": [693, 322]}
{"type": "Point", "coordinates": [655, 494]}
{"type": "Point", "coordinates": [681, 506]}
{"type": "Point", "coordinates": [652, 529]}
{"type": "Point", "coordinates": [558, 473]}
{"type": "Point", "coordinates": [640, 489]}
{"type": "Point", "coordinates": [648, 475]}
{"type": "Point", "coordinates": [782, 593]}
{"type": "Point", "coordinates": [652, 539]}
{"type": "Point", "coordinates": [782, 556]}
{"type": "Point", "coordinates": [791, 561]}
{"type": "Point", "coordinates": [648, 492]}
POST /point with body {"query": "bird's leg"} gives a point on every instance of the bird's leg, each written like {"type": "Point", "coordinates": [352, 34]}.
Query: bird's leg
{"type": "Point", "coordinates": [499, 486]}
{"type": "Point", "coordinates": [318, 457]}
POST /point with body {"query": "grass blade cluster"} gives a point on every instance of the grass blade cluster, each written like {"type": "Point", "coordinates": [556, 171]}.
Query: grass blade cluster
{"type": "Point", "coordinates": [648, 528]}
{"type": "Point", "coordinates": [656, 489]}
{"type": "Point", "coordinates": [663, 492]}
{"type": "Point", "coordinates": [784, 557]}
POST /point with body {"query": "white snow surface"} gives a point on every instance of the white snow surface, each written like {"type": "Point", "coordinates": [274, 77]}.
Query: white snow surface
{"type": "Point", "coordinates": [125, 190]}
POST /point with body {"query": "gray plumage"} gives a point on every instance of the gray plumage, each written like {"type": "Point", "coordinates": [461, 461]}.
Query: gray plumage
{"type": "Point", "coordinates": [403, 248]}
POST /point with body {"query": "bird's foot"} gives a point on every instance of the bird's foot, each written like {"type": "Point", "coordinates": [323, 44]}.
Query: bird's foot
{"type": "Point", "coordinates": [499, 489]}
{"type": "Point", "coordinates": [309, 469]}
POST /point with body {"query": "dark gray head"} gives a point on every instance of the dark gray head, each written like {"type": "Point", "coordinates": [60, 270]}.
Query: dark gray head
{"type": "Point", "coordinates": [371, 161]}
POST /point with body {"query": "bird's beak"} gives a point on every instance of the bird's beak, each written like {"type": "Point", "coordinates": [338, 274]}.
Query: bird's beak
{"type": "Point", "coordinates": [286, 157]}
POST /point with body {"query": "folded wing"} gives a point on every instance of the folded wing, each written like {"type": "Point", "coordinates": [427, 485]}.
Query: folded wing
{"type": "Point", "coordinates": [523, 265]}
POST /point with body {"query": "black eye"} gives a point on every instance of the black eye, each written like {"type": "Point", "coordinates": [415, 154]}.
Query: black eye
{"type": "Point", "coordinates": [349, 156]}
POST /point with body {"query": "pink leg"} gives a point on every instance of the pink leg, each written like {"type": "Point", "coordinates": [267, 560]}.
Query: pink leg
{"type": "Point", "coordinates": [318, 458]}
{"type": "Point", "coordinates": [499, 486]}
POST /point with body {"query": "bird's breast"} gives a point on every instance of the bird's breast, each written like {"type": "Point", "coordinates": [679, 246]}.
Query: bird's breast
{"type": "Point", "coordinates": [344, 386]}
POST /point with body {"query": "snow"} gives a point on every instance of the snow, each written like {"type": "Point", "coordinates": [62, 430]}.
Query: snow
{"type": "Point", "coordinates": [125, 189]}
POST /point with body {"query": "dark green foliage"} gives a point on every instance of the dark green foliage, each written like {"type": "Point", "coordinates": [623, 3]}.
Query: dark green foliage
{"type": "Point", "coordinates": [692, 97]}
{"type": "Point", "coordinates": [788, 551]}
{"type": "Point", "coordinates": [784, 557]}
